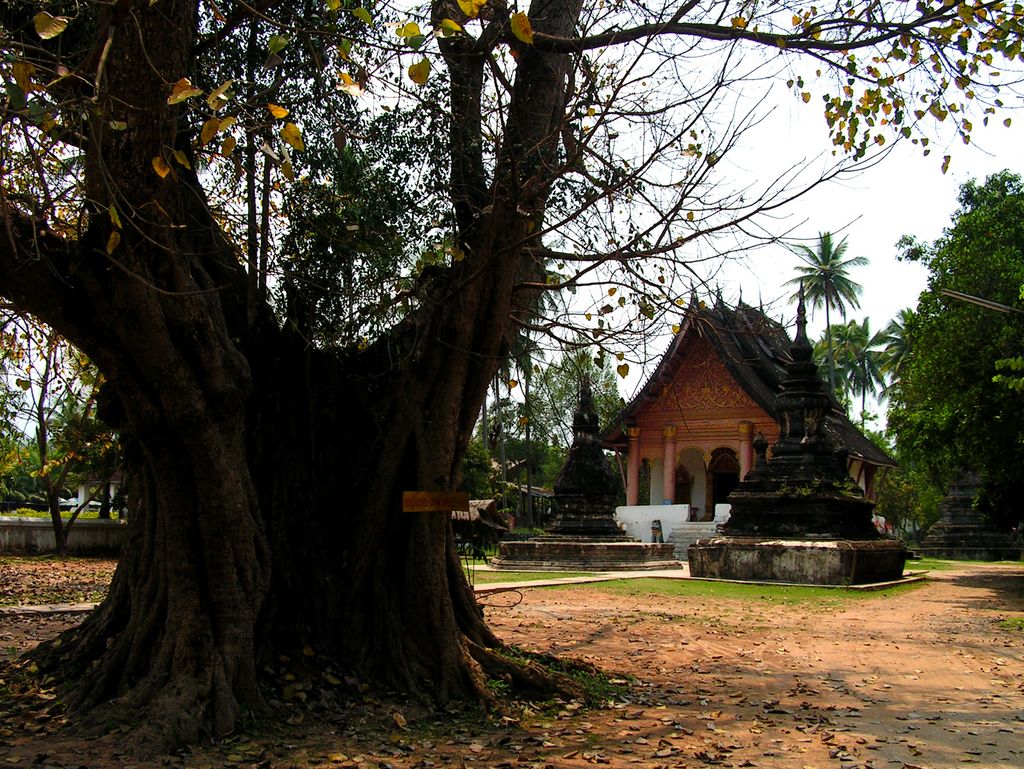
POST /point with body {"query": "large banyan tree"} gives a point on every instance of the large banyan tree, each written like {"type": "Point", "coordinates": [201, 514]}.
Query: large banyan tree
{"type": "Point", "coordinates": [297, 238]}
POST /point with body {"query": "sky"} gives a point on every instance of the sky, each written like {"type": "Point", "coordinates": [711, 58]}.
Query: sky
{"type": "Point", "coordinates": [904, 194]}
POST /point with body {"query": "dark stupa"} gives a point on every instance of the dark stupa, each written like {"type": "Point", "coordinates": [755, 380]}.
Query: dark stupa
{"type": "Point", "coordinates": [799, 517]}
{"type": "Point", "coordinates": [961, 531]}
{"type": "Point", "coordinates": [584, 534]}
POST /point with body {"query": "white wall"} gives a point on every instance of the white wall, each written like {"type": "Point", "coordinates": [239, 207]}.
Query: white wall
{"type": "Point", "coordinates": [636, 519]}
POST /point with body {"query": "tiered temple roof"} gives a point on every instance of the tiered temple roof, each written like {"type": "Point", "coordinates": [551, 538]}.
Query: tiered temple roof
{"type": "Point", "coordinates": [755, 350]}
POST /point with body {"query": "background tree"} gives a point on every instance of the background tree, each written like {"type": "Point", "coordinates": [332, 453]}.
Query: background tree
{"type": "Point", "coordinates": [824, 276]}
{"type": "Point", "coordinates": [895, 347]}
{"type": "Point", "coordinates": [54, 389]}
{"type": "Point", "coordinates": [858, 361]}
{"type": "Point", "coordinates": [946, 411]}
{"type": "Point", "coordinates": [144, 151]}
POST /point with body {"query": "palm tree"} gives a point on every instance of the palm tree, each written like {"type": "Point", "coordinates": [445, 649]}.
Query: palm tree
{"type": "Point", "coordinates": [863, 361]}
{"type": "Point", "coordinates": [859, 360]}
{"type": "Point", "coordinates": [896, 349]}
{"type": "Point", "coordinates": [826, 283]}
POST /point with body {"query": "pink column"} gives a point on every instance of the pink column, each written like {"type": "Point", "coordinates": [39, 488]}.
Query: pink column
{"type": "Point", "coordinates": [746, 452]}
{"type": "Point", "coordinates": [668, 486]}
{"type": "Point", "coordinates": [633, 466]}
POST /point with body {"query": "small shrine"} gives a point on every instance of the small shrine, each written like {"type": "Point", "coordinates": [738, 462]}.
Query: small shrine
{"type": "Point", "coordinates": [961, 533]}
{"type": "Point", "coordinates": [584, 533]}
{"type": "Point", "coordinates": [799, 517]}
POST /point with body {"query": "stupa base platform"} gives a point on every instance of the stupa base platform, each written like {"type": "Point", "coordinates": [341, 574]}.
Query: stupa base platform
{"type": "Point", "coordinates": [798, 561]}
{"type": "Point", "coordinates": [972, 553]}
{"type": "Point", "coordinates": [968, 541]}
{"type": "Point", "coordinates": [555, 553]}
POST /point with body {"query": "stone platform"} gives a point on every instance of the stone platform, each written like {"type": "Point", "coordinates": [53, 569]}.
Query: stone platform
{"type": "Point", "coordinates": [555, 553]}
{"type": "Point", "coordinates": [799, 561]}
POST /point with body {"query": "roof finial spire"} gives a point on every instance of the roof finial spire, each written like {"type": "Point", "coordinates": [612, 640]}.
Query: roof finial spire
{"type": "Point", "coordinates": [801, 349]}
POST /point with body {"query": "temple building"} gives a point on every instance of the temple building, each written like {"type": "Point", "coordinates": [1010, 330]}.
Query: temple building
{"type": "Point", "coordinates": [686, 439]}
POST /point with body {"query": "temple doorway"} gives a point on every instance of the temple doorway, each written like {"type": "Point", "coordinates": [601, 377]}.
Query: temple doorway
{"type": "Point", "coordinates": [723, 476]}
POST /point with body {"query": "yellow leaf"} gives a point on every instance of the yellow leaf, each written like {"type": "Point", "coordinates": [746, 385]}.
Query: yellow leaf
{"type": "Point", "coordinates": [622, 369]}
{"type": "Point", "coordinates": [797, 21]}
{"type": "Point", "coordinates": [114, 218]}
{"type": "Point", "coordinates": [183, 90]}
{"type": "Point", "coordinates": [419, 72]}
{"type": "Point", "coordinates": [399, 719]}
{"type": "Point", "coordinates": [449, 27]}
{"type": "Point", "coordinates": [739, 22]}
{"type": "Point", "coordinates": [410, 29]}
{"type": "Point", "coordinates": [350, 86]}
{"type": "Point", "coordinates": [161, 167]}
{"type": "Point", "coordinates": [287, 170]}
{"type": "Point", "coordinates": [210, 129]}
{"type": "Point", "coordinates": [293, 136]}
{"type": "Point", "coordinates": [182, 158]}
{"type": "Point", "coordinates": [226, 123]}
{"type": "Point", "coordinates": [47, 26]}
{"type": "Point", "coordinates": [689, 216]}
{"type": "Point", "coordinates": [228, 146]}
{"type": "Point", "coordinates": [521, 28]}
{"type": "Point", "coordinates": [217, 96]}
{"type": "Point", "coordinates": [472, 7]}
{"type": "Point", "coordinates": [23, 71]}
{"type": "Point", "coordinates": [512, 384]}
{"type": "Point", "coordinates": [805, 96]}
{"type": "Point", "coordinates": [333, 5]}
{"type": "Point", "coordinates": [113, 241]}
{"type": "Point", "coordinates": [277, 110]}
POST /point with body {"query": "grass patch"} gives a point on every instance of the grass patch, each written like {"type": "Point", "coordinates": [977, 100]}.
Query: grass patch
{"type": "Point", "coordinates": [931, 564]}
{"type": "Point", "coordinates": [934, 564]}
{"type": "Point", "coordinates": [481, 577]}
{"type": "Point", "coordinates": [598, 686]}
{"type": "Point", "coordinates": [786, 595]}
{"type": "Point", "coordinates": [1012, 623]}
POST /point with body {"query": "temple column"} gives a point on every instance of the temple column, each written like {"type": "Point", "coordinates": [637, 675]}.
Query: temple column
{"type": "Point", "coordinates": [746, 452]}
{"type": "Point", "coordinates": [633, 466]}
{"type": "Point", "coordinates": [668, 481]}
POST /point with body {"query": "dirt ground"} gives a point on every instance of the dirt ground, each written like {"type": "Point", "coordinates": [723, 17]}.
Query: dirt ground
{"type": "Point", "coordinates": [928, 677]}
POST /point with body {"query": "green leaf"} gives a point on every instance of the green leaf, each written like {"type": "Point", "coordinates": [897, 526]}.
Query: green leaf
{"type": "Point", "coordinates": [409, 29]}
{"type": "Point", "coordinates": [363, 15]}
{"type": "Point", "coordinates": [47, 26]}
{"type": "Point", "coordinates": [449, 27]}
{"type": "Point", "coordinates": [114, 218]}
{"type": "Point", "coordinates": [278, 43]}
{"type": "Point", "coordinates": [472, 7]}
{"type": "Point", "coordinates": [623, 370]}
{"type": "Point", "coordinates": [333, 5]}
